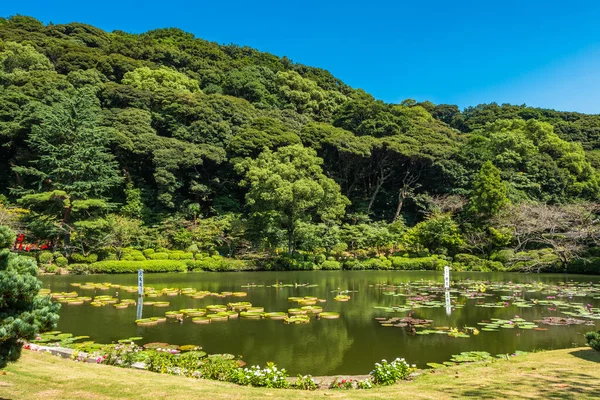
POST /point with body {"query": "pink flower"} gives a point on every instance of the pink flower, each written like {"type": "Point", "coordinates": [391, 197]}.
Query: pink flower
{"type": "Point", "coordinates": [99, 360]}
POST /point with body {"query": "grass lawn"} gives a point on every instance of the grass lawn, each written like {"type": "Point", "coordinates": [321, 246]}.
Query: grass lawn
{"type": "Point", "coordinates": [558, 374]}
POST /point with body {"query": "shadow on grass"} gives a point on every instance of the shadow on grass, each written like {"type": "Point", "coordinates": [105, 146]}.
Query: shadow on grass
{"type": "Point", "coordinates": [588, 355]}
{"type": "Point", "coordinates": [529, 383]}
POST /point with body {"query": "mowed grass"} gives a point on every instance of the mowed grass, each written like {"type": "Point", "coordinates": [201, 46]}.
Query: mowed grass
{"type": "Point", "coordinates": [559, 374]}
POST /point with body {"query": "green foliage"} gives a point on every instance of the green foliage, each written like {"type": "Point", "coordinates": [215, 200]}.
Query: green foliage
{"type": "Point", "coordinates": [23, 313]}
{"type": "Point", "coordinates": [270, 377]}
{"type": "Point", "coordinates": [61, 262]}
{"type": "Point", "coordinates": [118, 140]}
{"type": "Point", "coordinates": [154, 80]}
{"type": "Point", "coordinates": [291, 183]}
{"type": "Point", "coordinates": [593, 340]}
{"type": "Point", "coordinates": [122, 267]}
{"type": "Point", "coordinates": [438, 233]}
{"type": "Point", "coordinates": [45, 257]}
{"type": "Point", "coordinates": [331, 265]}
{"type": "Point", "coordinates": [388, 373]}
{"type": "Point", "coordinates": [469, 262]}
{"type": "Point", "coordinates": [489, 193]}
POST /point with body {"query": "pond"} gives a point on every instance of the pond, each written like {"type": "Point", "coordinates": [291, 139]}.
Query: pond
{"type": "Point", "coordinates": [493, 312]}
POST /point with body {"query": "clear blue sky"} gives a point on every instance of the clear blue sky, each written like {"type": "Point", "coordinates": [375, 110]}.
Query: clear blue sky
{"type": "Point", "coordinates": [543, 53]}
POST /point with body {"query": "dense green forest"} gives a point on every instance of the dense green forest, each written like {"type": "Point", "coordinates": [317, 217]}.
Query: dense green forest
{"type": "Point", "coordinates": [118, 148]}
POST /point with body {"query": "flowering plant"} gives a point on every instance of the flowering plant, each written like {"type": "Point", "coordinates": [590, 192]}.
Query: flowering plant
{"type": "Point", "coordinates": [305, 382]}
{"type": "Point", "coordinates": [385, 373]}
{"type": "Point", "coordinates": [270, 377]}
{"type": "Point", "coordinates": [342, 384]}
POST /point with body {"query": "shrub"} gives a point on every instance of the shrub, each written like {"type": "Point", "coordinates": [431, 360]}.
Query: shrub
{"type": "Point", "coordinates": [377, 263]}
{"type": "Point", "coordinates": [204, 264]}
{"type": "Point", "coordinates": [49, 268]}
{"type": "Point", "coordinates": [79, 268]}
{"type": "Point", "coordinates": [61, 261]}
{"type": "Point", "coordinates": [45, 257]}
{"type": "Point", "coordinates": [305, 382]}
{"type": "Point", "coordinates": [419, 263]}
{"type": "Point", "coordinates": [270, 377]}
{"type": "Point", "coordinates": [353, 265]}
{"type": "Point", "coordinates": [320, 259]}
{"type": "Point", "coordinates": [593, 339]}
{"type": "Point", "coordinates": [80, 258]}
{"type": "Point", "coordinates": [474, 263]}
{"type": "Point", "coordinates": [342, 383]}
{"type": "Point", "coordinates": [502, 256]}
{"type": "Point", "coordinates": [121, 267]}
{"type": "Point", "coordinates": [130, 254]}
{"type": "Point", "coordinates": [385, 373]}
{"type": "Point", "coordinates": [159, 256]}
{"type": "Point", "coordinates": [147, 252]}
{"type": "Point", "coordinates": [331, 265]}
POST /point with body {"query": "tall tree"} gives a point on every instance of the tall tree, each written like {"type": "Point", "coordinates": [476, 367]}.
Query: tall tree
{"type": "Point", "coordinates": [489, 193]}
{"type": "Point", "coordinates": [72, 167]}
{"type": "Point", "coordinates": [290, 183]}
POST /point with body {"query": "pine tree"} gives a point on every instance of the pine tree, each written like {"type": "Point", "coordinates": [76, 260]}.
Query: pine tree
{"type": "Point", "coordinates": [72, 171]}
{"type": "Point", "coordinates": [23, 313]}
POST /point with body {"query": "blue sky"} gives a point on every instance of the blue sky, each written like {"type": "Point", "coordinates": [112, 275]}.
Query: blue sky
{"type": "Point", "coordinates": [542, 53]}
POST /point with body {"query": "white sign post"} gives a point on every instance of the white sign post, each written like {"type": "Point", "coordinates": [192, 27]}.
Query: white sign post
{"type": "Point", "coordinates": [447, 288]}
{"type": "Point", "coordinates": [140, 282]}
{"type": "Point", "coordinates": [446, 277]}
{"type": "Point", "coordinates": [140, 300]}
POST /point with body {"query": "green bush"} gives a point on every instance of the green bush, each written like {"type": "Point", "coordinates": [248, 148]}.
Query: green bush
{"type": "Point", "coordinates": [320, 259]}
{"type": "Point", "coordinates": [122, 267]}
{"type": "Point", "coordinates": [469, 262]}
{"type": "Point", "coordinates": [79, 268]}
{"type": "Point", "coordinates": [130, 254]}
{"type": "Point", "coordinates": [159, 256]}
{"type": "Point", "coordinates": [377, 263]}
{"type": "Point", "coordinates": [502, 256]}
{"type": "Point", "coordinates": [353, 265]}
{"type": "Point", "coordinates": [45, 257]}
{"type": "Point", "coordinates": [331, 265]}
{"type": "Point", "coordinates": [593, 339]}
{"type": "Point", "coordinates": [49, 268]}
{"type": "Point", "coordinates": [57, 254]}
{"type": "Point", "coordinates": [148, 252]}
{"type": "Point", "coordinates": [80, 258]}
{"type": "Point", "coordinates": [419, 263]}
{"type": "Point", "coordinates": [205, 264]}
{"type": "Point", "coordinates": [61, 262]}
{"type": "Point", "coordinates": [385, 373]}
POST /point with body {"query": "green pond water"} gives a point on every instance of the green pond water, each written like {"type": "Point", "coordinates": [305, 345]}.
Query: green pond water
{"type": "Point", "coordinates": [355, 341]}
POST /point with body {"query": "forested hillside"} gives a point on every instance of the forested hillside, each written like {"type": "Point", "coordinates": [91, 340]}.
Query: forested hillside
{"type": "Point", "coordinates": [113, 143]}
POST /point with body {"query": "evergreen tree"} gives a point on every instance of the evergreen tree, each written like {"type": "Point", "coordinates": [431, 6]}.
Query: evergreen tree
{"type": "Point", "coordinates": [489, 193]}
{"type": "Point", "coordinates": [72, 171]}
{"type": "Point", "coordinates": [23, 313]}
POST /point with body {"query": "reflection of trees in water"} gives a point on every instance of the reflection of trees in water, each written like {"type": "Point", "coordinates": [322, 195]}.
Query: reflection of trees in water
{"type": "Point", "coordinates": [317, 348]}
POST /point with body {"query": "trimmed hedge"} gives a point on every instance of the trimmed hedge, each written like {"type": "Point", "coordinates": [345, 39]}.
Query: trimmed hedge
{"type": "Point", "coordinates": [123, 267]}
{"type": "Point", "coordinates": [469, 262]}
{"type": "Point", "coordinates": [80, 258]}
{"type": "Point", "coordinates": [331, 265]}
{"type": "Point", "coordinates": [420, 263]}
{"type": "Point", "coordinates": [159, 256]}
{"type": "Point", "coordinates": [217, 263]}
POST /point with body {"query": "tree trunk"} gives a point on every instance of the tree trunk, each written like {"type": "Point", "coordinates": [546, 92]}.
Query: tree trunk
{"type": "Point", "coordinates": [291, 244]}
{"type": "Point", "coordinates": [401, 197]}
{"type": "Point", "coordinates": [65, 225]}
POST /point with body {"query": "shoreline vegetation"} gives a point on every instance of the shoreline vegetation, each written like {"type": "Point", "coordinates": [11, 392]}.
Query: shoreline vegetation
{"type": "Point", "coordinates": [567, 373]}
{"type": "Point", "coordinates": [182, 154]}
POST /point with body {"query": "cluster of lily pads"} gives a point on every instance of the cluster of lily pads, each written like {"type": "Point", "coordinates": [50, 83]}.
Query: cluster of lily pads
{"type": "Point", "coordinates": [474, 356]}
{"type": "Point", "coordinates": [244, 310]}
{"type": "Point", "coordinates": [428, 294]}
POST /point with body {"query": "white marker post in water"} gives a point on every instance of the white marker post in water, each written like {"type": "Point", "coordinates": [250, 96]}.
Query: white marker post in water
{"type": "Point", "coordinates": [140, 301]}
{"type": "Point", "coordinates": [447, 288]}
